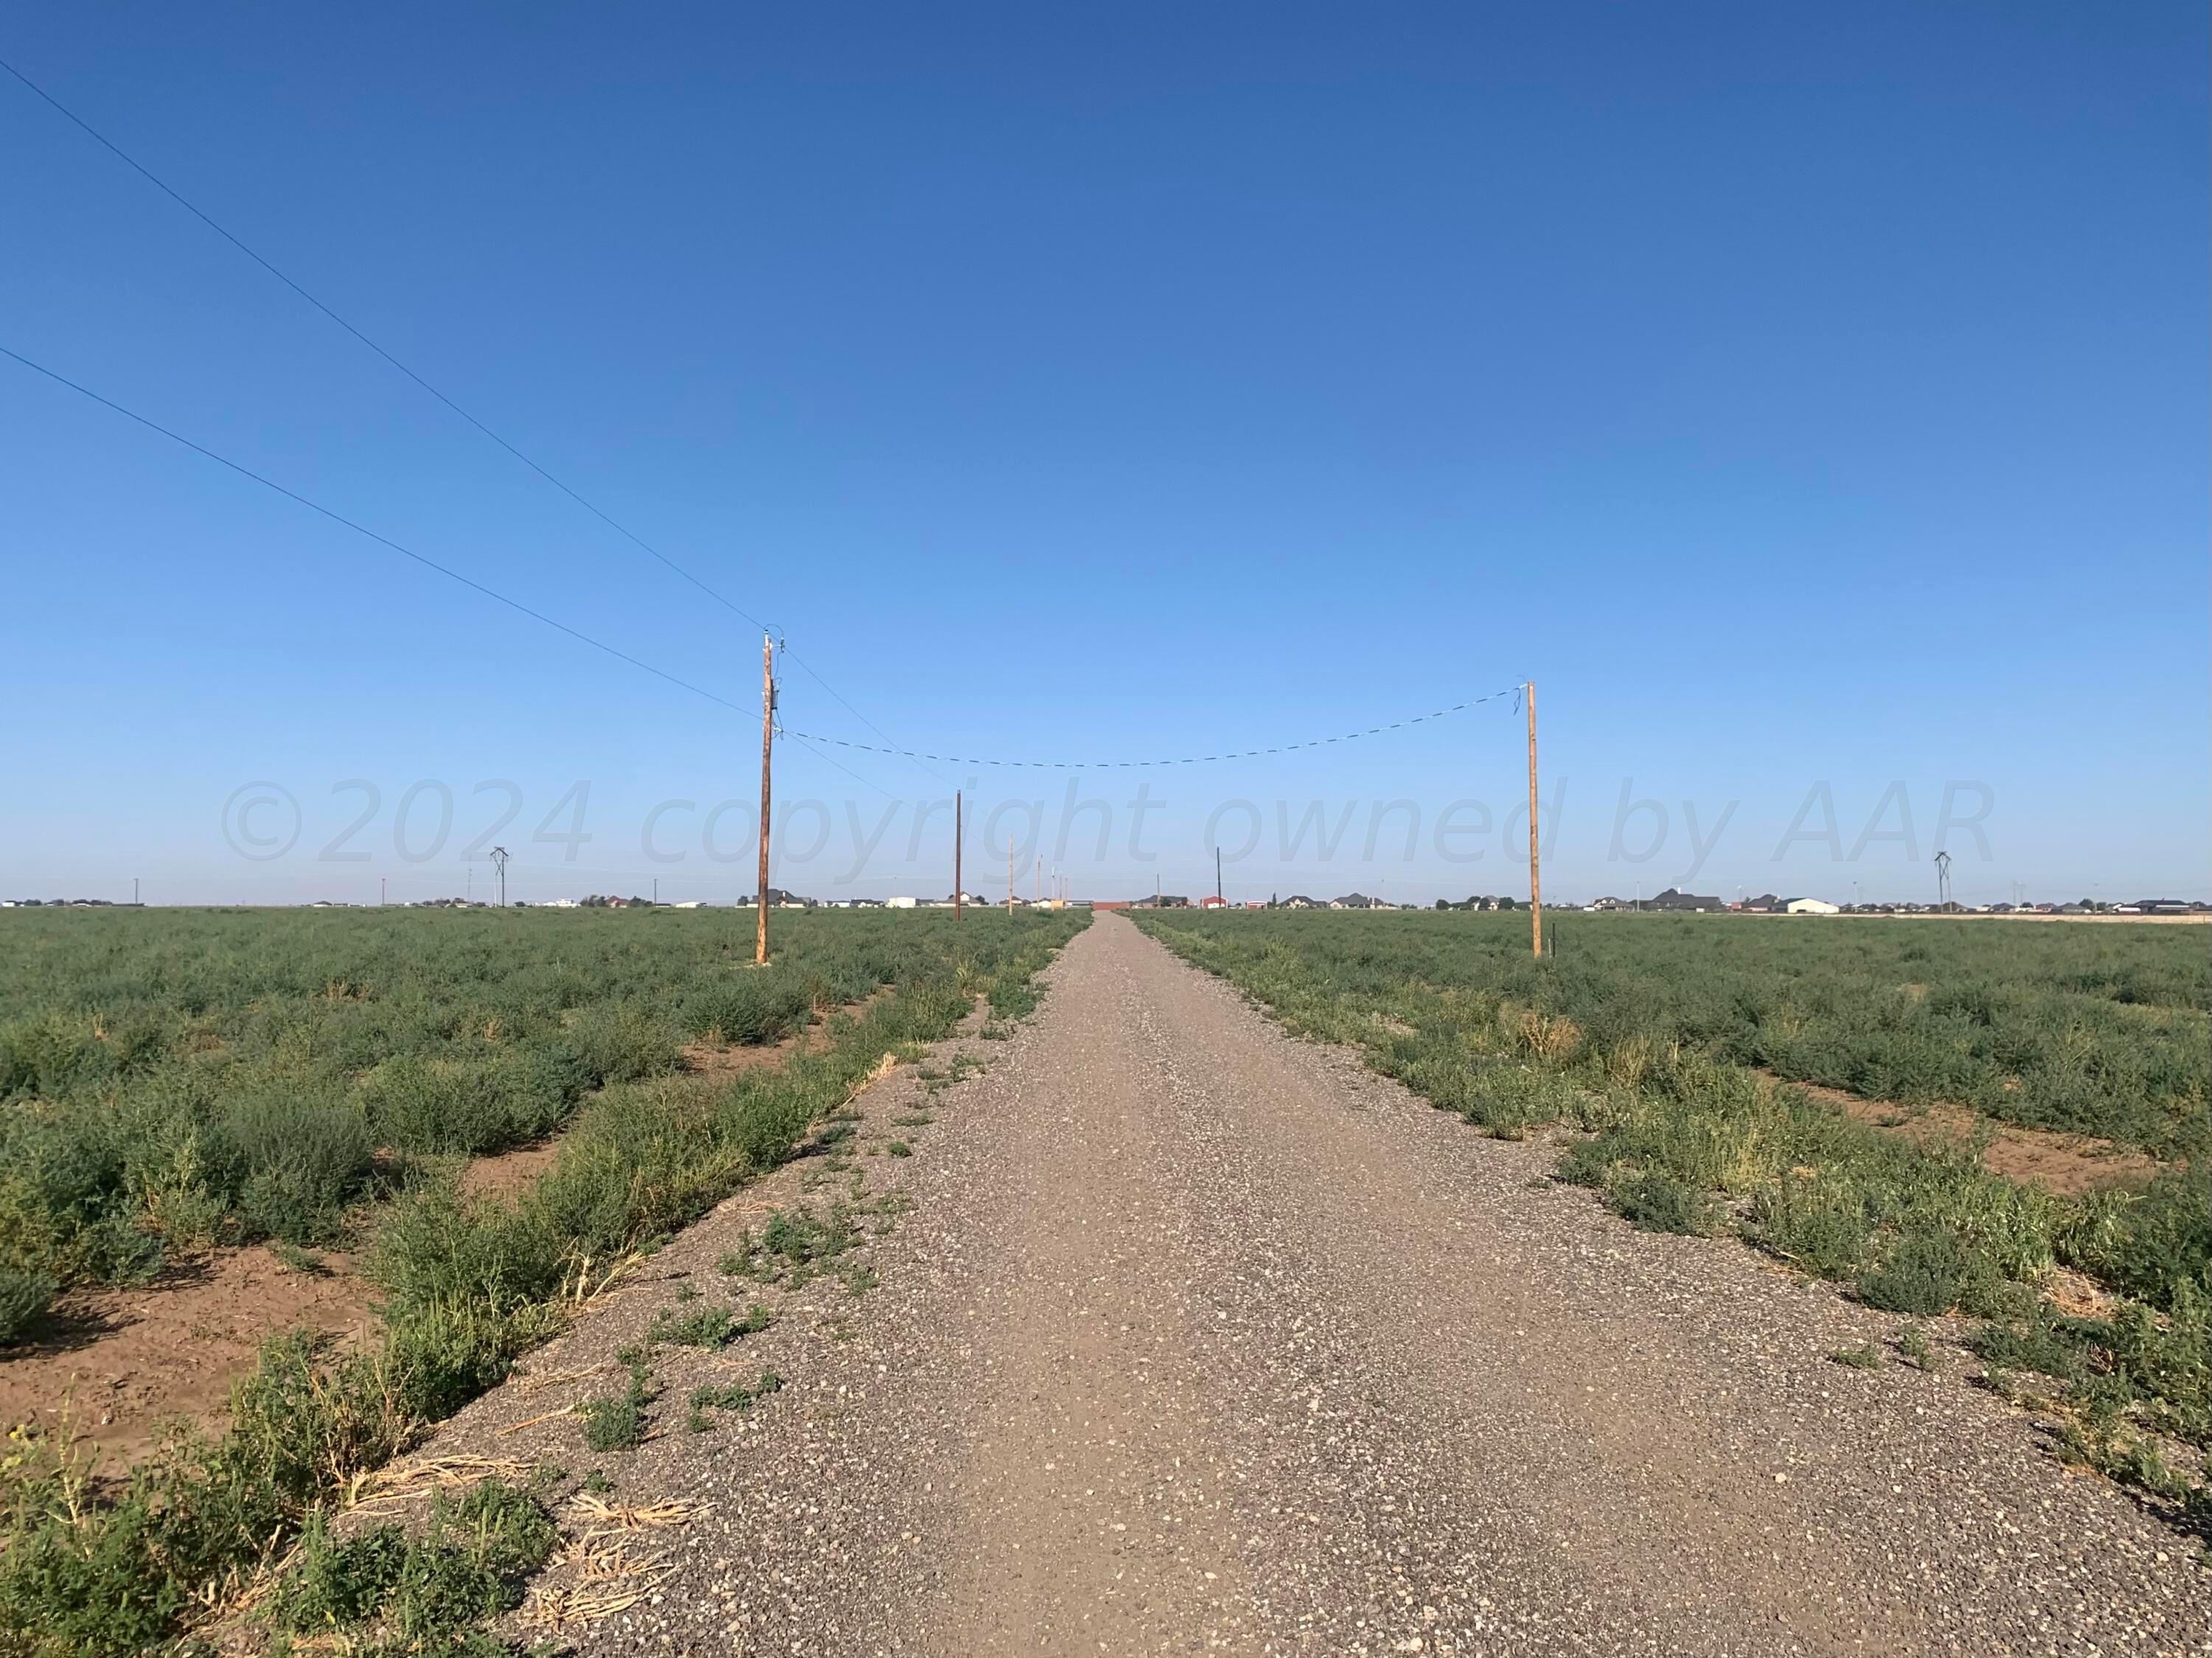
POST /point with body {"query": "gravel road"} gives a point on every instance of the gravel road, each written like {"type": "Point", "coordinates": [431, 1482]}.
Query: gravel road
{"type": "Point", "coordinates": [1196, 1338]}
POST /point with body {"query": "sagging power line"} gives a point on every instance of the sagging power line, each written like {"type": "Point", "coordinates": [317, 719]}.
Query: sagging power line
{"type": "Point", "coordinates": [1174, 759]}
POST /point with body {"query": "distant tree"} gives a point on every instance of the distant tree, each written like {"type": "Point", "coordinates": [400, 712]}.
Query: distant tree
{"type": "Point", "coordinates": [1509, 903]}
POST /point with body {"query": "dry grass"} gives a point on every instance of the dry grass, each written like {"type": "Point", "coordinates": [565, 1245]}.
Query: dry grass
{"type": "Point", "coordinates": [608, 1579]}
{"type": "Point", "coordinates": [608, 1519]}
{"type": "Point", "coordinates": [386, 1487]}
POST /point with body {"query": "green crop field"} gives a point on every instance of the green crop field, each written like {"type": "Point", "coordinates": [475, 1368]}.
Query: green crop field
{"type": "Point", "coordinates": [171, 1081]}
{"type": "Point", "coordinates": [1665, 1049]}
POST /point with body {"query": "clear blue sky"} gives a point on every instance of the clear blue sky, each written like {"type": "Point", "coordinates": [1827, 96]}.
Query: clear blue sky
{"type": "Point", "coordinates": [1798, 395]}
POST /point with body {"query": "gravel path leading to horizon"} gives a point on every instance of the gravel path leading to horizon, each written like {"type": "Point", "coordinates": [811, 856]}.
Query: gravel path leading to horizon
{"type": "Point", "coordinates": [1197, 1338]}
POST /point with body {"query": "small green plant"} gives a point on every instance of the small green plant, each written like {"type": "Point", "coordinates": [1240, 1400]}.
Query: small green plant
{"type": "Point", "coordinates": [793, 1246]}
{"type": "Point", "coordinates": [618, 1422]}
{"type": "Point", "coordinates": [710, 1326]}
{"type": "Point", "coordinates": [1657, 1202]}
{"type": "Point", "coordinates": [293, 1259]}
{"type": "Point", "coordinates": [596, 1484]}
{"type": "Point", "coordinates": [900, 1149]}
{"type": "Point", "coordinates": [1858, 1359]}
{"type": "Point", "coordinates": [736, 1396]}
{"type": "Point", "coordinates": [1925, 1274]}
{"type": "Point", "coordinates": [1918, 1351]}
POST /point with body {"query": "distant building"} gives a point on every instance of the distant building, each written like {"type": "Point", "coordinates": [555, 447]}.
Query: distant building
{"type": "Point", "coordinates": [1812, 906]}
{"type": "Point", "coordinates": [1673, 900]}
{"type": "Point", "coordinates": [898, 903]}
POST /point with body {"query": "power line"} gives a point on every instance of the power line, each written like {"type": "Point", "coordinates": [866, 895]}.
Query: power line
{"type": "Point", "coordinates": [359, 529]}
{"type": "Point", "coordinates": [624, 530]}
{"type": "Point", "coordinates": [1177, 760]}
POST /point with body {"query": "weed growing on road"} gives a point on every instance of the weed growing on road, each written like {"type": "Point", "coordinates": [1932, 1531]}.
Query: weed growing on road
{"type": "Point", "coordinates": [793, 1247]}
{"type": "Point", "coordinates": [618, 1422]}
{"type": "Point", "coordinates": [1858, 1359]}
{"type": "Point", "coordinates": [1918, 1351]}
{"type": "Point", "coordinates": [735, 1395]}
{"type": "Point", "coordinates": [710, 1326]}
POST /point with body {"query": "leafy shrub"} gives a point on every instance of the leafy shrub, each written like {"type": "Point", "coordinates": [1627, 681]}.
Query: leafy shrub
{"type": "Point", "coordinates": [2153, 1244]}
{"type": "Point", "coordinates": [1927, 1271]}
{"type": "Point", "coordinates": [468, 1107]}
{"type": "Point", "coordinates": [618, 1042]}
{"type": "Point", "coordinates": [1820, 1221]}
{"type": "Point", "coordinates": [468, 1567]}
{"type": "Point", "coordinates": [25, 1293]}
{"type": "Point", "coordinates": [747, 1006]}
{"type": "Point", "coordinates": [1660, 1203]}
{"type": "Point", "coordinates": [305, 1155]}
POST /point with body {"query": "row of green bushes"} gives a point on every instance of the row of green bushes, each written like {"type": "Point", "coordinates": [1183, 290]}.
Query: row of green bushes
{"type": "Point", "coordinates": [469, 1285]}
{"type": "Point", "coordinates": [2103, 1030]}
{"type": "Point", "coordinates": [1691, 1137]}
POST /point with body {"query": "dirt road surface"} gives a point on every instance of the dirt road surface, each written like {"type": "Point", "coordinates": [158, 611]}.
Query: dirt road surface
{"type": "Point", "coordinates": [1198, 1339]}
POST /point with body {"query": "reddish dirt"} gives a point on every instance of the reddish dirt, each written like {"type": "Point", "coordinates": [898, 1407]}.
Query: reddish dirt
{"type": "Point", "coordinates": [123, 1364]}
{"type": "Point", "coordinates": [2067, 1165]}
{"type": "Point", "coordinates": [505, 1173]}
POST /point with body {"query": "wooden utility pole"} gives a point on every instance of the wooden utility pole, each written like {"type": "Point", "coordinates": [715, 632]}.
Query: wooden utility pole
{"type": "Point", "coordinates": [959, 898]}
{"type": "Point", "coordinates": [767, 739]}
{"type": "Point", "coordinates": [1536, 874]}
{"type": "Point", "coordinates": [1217, 873]}
{"type": "Point", "coordinates": [1010, 875]}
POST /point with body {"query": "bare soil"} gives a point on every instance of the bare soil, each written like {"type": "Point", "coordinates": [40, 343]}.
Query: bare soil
{"type": "Point", "coordinates": [120, 1366]}
{"type": "Point", "coordinates": [2067, 1165]}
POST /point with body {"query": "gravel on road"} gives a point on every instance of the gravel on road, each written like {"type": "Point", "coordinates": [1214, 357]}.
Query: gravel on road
{"type": "Point", "coordinates": [1186, 1336]}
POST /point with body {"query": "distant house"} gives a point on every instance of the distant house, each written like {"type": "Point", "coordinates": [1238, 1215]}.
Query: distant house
{"type": "Point", "coordinates": [1352, 901]}
{"type": "Point", "coordinates": [1673, 900]}
{"type": "Point", "coordinates": [1299, 901]}
{"type": "Point", "coordinates": [1812, 906]}
{"type": "Point", "coordinates": [690, 903]}
{"type": "Point", "coordinates": [898, 903]}
{"type": "Point", "coordinates": [1212, 902]}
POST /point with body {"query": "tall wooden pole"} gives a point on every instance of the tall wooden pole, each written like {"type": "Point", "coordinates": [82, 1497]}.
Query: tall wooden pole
{"type": "Point", "coordinates": [767, 739]}
{"type": "Point", "coordinates": [1010, 875]}
{"type": "Point", "coordinates": [958, 897]}
{"type": "Point", "coordinates": [1536, 874]}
